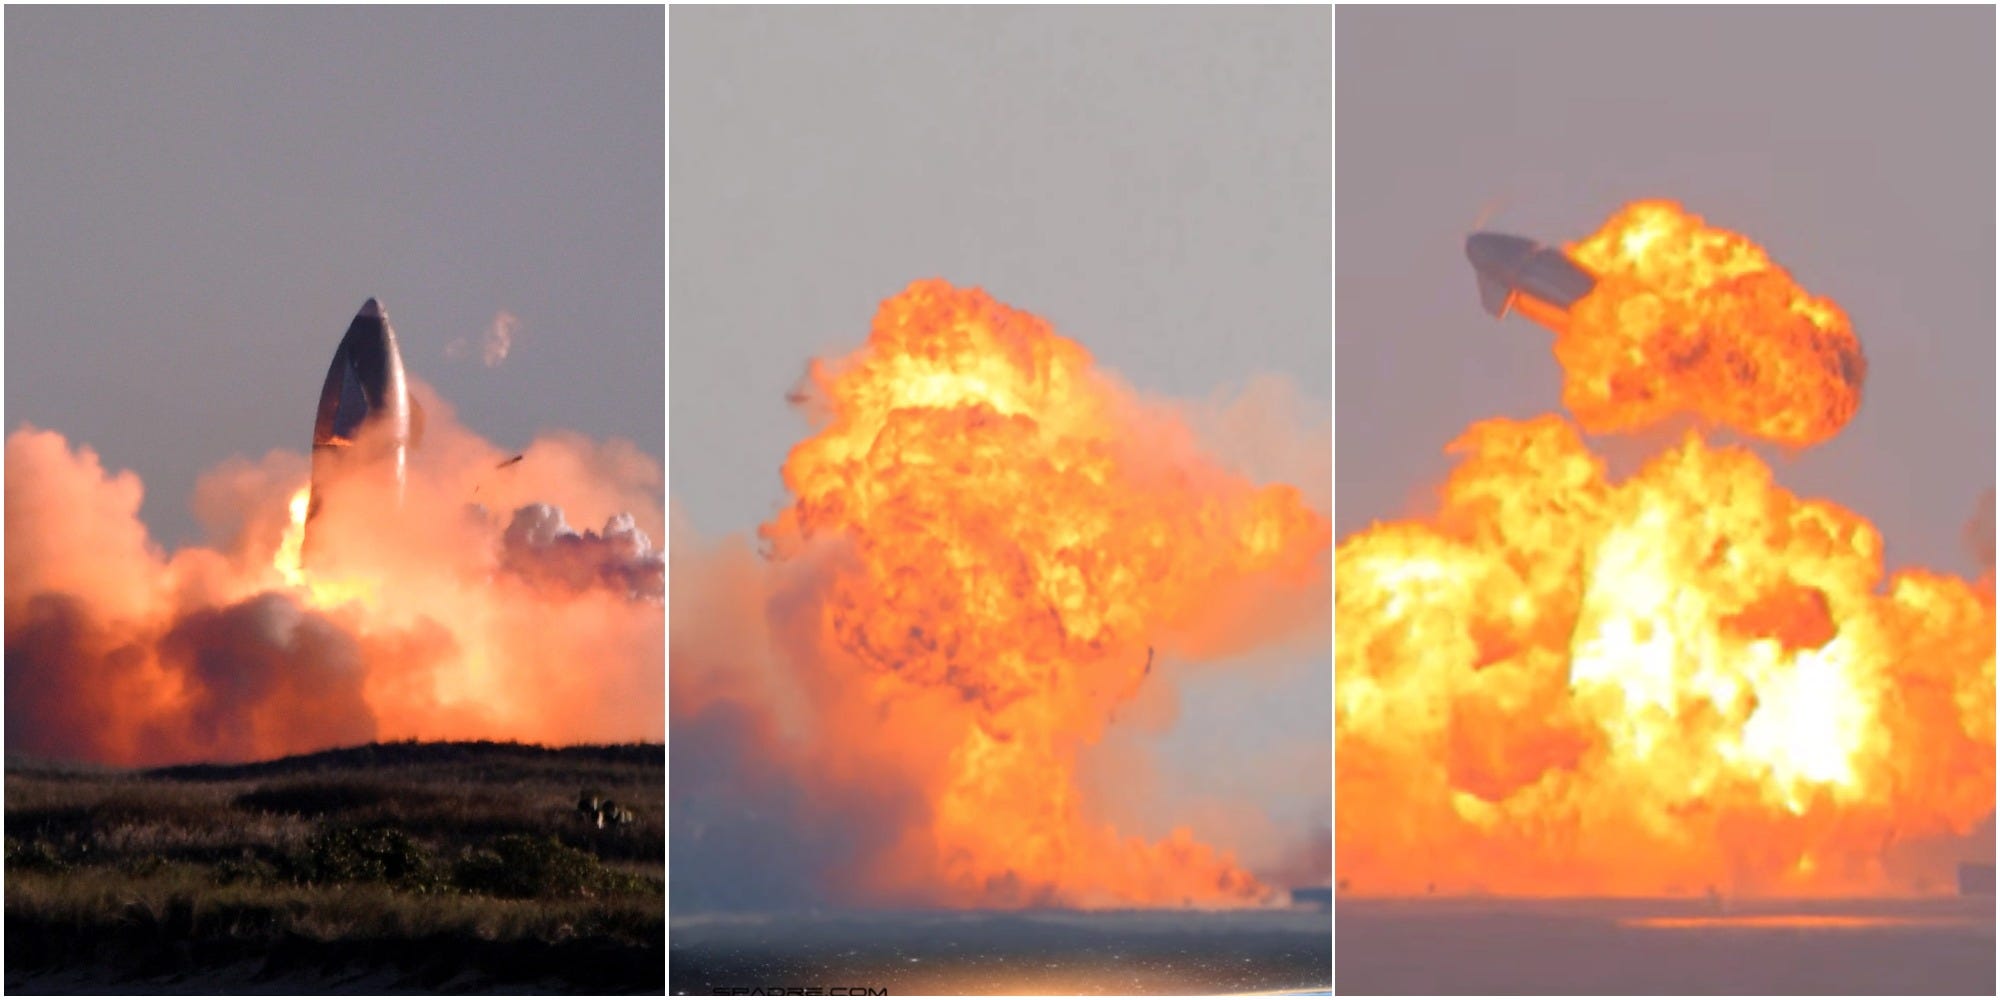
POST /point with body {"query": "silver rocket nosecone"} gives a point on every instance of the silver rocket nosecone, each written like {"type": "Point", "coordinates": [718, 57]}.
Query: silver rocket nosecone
{"type": "Point", "coordinates": [366, 420]}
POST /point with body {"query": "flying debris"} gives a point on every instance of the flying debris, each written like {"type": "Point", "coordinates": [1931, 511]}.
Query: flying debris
{"type": "Point", "coordinates": [516, 460]}
{"type": "Point", "coordinates": [366, 417]}
{"type": "Point", "coordinates": [1516, 273]}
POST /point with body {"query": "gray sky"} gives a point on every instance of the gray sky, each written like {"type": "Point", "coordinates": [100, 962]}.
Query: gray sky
{"type": "Point", "coordinates": [1855, 145]}
{"type": "Point", "coordinates": [198, 201]}
{"type": "Point", "coordinates": [1154, 182]}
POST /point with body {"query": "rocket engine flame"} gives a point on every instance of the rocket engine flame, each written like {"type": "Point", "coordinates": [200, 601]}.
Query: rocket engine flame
{"type": "Point", "coordinates": [1689, 318]}
{"type": "Point", "coordinates": [290, 560]}
{"type": "Point", "coordinates": [1687, 681]}
{"type": "Point", "coordinates": [991, 543]}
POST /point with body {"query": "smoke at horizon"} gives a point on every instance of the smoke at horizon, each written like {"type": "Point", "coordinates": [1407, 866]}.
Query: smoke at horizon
{"type": "Point", "coordinates": [438, 622]}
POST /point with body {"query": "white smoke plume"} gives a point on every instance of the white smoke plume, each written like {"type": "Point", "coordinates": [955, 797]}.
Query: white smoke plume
{"type": "Point", "coordinates": [435, 621]}
{"type": "Point", "coordinates": [492, 344]}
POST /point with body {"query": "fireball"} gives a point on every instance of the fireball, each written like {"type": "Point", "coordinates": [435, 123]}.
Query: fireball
{"type": "Point", "coordinates": [1687, 680]}
{"type": "Point", "coordinates": [1689, 318]}
{"type": "Point", "coordinates": [1010, 538]}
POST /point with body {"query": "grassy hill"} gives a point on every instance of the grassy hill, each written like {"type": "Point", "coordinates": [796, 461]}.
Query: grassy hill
{"type": "Point", "coordinates": [393, 866]}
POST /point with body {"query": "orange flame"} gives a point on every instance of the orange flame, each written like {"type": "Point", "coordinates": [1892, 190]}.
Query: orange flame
{"type": "Point", "coordinates": [290, 559]}
{"type": "Point", "coordinates": [1689, 680]}
{"type": "Point", "coordinates": [1686, 317]}
{"type": "Point", "coordinates": [320, 592]}
{"type": "Point", "coordinates": [1017, 535]}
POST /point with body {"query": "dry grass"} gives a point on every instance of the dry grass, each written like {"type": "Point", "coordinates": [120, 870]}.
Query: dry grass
{"type": "Point", "coordinates": [182, 902]}
{"type": "Point", "coordinates": [397, 842]}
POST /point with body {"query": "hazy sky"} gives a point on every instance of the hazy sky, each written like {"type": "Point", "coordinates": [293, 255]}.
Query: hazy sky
{"type": "Point", "coordinates": [1855, 145]}
{"type": "Point", "coordinates": [1153, 182]}
{"type": "Point", "coordinates": [198, 201]}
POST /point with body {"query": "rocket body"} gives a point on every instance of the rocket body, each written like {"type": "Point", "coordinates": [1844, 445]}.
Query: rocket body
{"type": "Point", "coordinates": [366, 422]}
{"type": "Point", "coordinates": [1519, 275]}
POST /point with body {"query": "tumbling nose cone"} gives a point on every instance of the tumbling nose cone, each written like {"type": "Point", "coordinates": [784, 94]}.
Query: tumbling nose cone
{"type": "Point", "coordinates": [1497, 254]}
{"type": "Point", "coordinates": [1515, 272]}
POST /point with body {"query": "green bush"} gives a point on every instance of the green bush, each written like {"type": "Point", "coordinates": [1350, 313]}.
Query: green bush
{"type": "Point", "coordinates": [248, 869]}
{"type": "Point", "coordinates": [518, 866]}
{"type": "Point", "coordinates": [368, 854]}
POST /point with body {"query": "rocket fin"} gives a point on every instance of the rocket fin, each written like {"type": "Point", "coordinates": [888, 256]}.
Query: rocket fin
{"type": "Point", "coordinates": [416, 421]}
{"type": "Point", "coordinates": [1495, 295]}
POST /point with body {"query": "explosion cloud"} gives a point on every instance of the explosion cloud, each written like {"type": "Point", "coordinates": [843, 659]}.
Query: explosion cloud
{"type": "Point", "coordinates": [442, 622]}
{"type": "Point", "coordinates": [1688, 318]}
{"type": "Point", "coordinates": [1684, 681]}
{"type": "Point", "coordinates": [991, 549]}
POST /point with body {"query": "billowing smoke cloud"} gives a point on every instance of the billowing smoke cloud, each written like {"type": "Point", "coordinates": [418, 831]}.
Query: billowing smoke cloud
{"type": "Point", "coordinates": [541, 546]}
{"type": "Point", "coordinates": [750, 829]}
{"type": "Point", "coordinates": [437, 619]}
{"type": "Point", "coordinates": [775, 804]}
{"type": "Point", "coordinates": [1269, 431]}
{"type": "Point", "coordinates": [492, 344]}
